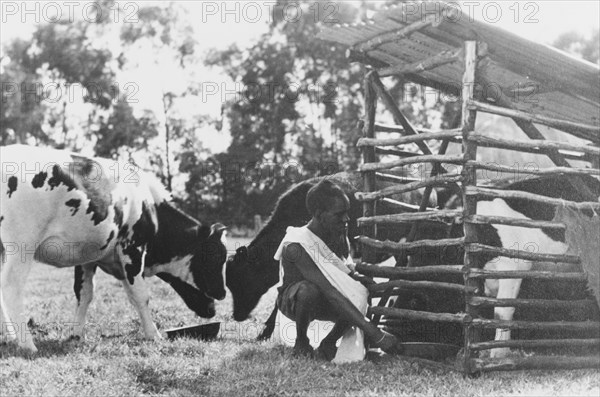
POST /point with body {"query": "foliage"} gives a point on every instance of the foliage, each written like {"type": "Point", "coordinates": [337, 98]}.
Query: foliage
{"type": "Point", "coordinates": [23, 112]}
{"type": "Point", "coordinates": [60, 56]}
{"type": "Point", "coordinates": [583, 47]}
{"type": "Point", "coordinates": [124, 130]}
{"type": "Point", "coordinates": [295, 116]}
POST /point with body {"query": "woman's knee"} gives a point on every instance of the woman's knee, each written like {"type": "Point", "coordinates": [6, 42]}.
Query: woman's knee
{"type": "Point", "coordinates": [308, 293]}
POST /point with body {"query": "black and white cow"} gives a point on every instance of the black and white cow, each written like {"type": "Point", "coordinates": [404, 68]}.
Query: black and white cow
{"type": "Point", "coordinates": [64, 209]}
{"type": "Point", "coordinates": [548, 241]}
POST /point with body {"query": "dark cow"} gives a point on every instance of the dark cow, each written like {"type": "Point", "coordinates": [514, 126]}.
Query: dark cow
{"type": "Point", "coordinates": [64, 209]}
{"type": "Point", "coordinates": [252, 270]}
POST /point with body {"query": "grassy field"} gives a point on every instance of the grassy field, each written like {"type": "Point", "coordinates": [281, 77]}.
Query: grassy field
{"type": "Point", "coordinates": [115, 360]}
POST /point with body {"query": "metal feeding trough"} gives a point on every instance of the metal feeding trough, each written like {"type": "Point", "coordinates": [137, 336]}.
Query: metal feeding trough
{"type": "Point", "coordinates": [207, 331]}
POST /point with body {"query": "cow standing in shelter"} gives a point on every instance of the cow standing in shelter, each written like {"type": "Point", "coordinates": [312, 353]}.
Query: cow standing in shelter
{"type": "Point", "coordinates": [64, 209]}
{"type": "Point", "coordinates": [545, 240]}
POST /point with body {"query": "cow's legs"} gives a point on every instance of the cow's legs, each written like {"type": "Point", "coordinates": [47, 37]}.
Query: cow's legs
{"type": "Point", "coordinates": [12, 283]}
{"type": "Point", "coordinates": [507, 289]}
{"type": "Point", "coordinates": [83, 287]}
{"type": "Point", "coordinates": [140, 298]}
{"type": "Point", "coordinates": [137, 290]}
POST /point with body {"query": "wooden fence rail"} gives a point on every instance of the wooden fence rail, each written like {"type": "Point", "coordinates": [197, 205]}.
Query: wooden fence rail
{"type": "Point", "coordinates": [394, 273]}
{"type": "Point", "coordinates": [546, 304]}
{"type": "Point", "coordinates": [522, 254]}
{"type": "Point", "coordinates": [409, 139]}
{"type": "Point", "coordinates": [525, 343]}
{"type": "Point", "coordinates": [589, 326]}
{"type": "Point", "coordinates": [393, 247]}
{"type": "Point", "coordinates": [535, 144]}
{"type": "Point", "coordinates": [416, 285]}
{"type": "Point", "coordinates": [496, 193]}
{"type": "Point", "coordinates": [403, 206]}
{"type": "Point", "coordinates": [395, 178]}
{"type": "Point", "coordinates": [390, 191]}
{"type": "Point", "coordinates": [533, 274]}
{"type": "Point", "coordinates": [392, 313]}
{"type": "Point", "coordinates": [410, 217]}
{"type": "Point", "coordinates": [584, 131]}
{"type": "Point", "coordinates": [430, 158]}
{"type": "Point", "coordinates": [395, 152]}
{"type": "Point", "coordinates": [533, 362]}
{"type": "Point", "coordinates": [521, 222]}
{"type": "Point", "coordinates": [533, 171]}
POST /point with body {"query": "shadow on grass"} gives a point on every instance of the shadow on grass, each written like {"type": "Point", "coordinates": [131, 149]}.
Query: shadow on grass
{"type": "Point", "coordinates": [46, 349]}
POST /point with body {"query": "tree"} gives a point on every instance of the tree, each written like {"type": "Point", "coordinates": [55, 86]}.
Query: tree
{"type": "Point", "coordinates": [296, 112]}
{"type": "Point", "coordinates": [44, 72]}
{"type": "Point", "coordinates": [124, 130]}
{"type": "Point", "coordinates": [584, 47]}
{"type": "Point", "coordinates": [161, 31]}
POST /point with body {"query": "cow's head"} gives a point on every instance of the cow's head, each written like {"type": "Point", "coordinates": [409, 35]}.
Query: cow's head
{"type": "Point", "coordinates": [207, 262]}
{"type": "Point", "coordinates": [250, 273]}
{"type": "Point", "coordinates": [205, 281]}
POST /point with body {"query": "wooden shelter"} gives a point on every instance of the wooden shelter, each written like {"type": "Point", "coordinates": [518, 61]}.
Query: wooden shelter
{"type": "Point", "coordinates": [488, 70]}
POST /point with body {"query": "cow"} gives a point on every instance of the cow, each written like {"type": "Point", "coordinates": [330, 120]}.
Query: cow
{"type": "Point", "coordinates": [551, 241]}
{"type": "Point", "coordinates": [251, 271]}
{"type": "Point", "coordinates": [64, 209]}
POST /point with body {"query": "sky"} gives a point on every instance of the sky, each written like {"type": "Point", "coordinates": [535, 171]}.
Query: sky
{"type": "Point", "coordinates": [218, 24]}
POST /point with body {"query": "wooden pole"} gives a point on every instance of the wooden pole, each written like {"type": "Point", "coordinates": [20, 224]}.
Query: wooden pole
{"type": "Point", "coordinates": [473, 248]}
{"type": "Point", "coordinates": [535, 362]}
{"type": "Point", "coordinates": [536, 343]}
{"type": "Point", "coordinates": [393, 312]}
{"type": "Point", "coordinates": [391, 190]}
{"type": "Point", "coordinates": [369, 157]}
{"type": "Point", "coordinates": [533, 144]}
{"type": "Point", "coordinates": [433, 158]}
{"type": "Point", "coordinates": [396, 34]}
{"type": "Point", "coordinates": [472, 191]}
{"type": "Point", "coordinates": [583, 131]}
{"type": "Point", "coordinates": [521, 222]}
{"type": "Point", "coordinates": [410, 138]}
{"type": "Point", "coordinates": [410, 284]}
{"type": "Point", "coordinates": [440, 215]}
{"type": "Point", "coordinates": [433, 62]}
{"type": "Point", "coordinates": [469, 202]}
{"type": "Point", "coordinates": [390, 246]}
{"type": "Point", "coordinates": [408, 273]}
{"type": "Point", "coordinates": [542, 275]}
{"type": "Point", "coordinates": [393, 108]}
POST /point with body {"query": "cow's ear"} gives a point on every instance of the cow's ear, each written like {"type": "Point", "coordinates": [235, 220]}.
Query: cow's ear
{"type": "Point", "coordinates": [218, 231]}
{"type": "Point", "coordinates": [203, 232]}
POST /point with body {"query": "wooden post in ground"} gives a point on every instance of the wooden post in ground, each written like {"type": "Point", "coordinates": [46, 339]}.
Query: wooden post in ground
{"type": "Point", "coordinates": [469, 202]}
{"type": "Point", "coordinates": [368, 253]}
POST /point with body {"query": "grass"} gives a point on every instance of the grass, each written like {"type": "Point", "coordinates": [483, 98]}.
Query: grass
{"type": "Point", "coordinates": [114, 360]}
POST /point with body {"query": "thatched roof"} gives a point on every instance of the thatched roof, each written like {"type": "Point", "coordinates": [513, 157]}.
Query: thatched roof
{"type": "Point", "coordinates": [544, 81]}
